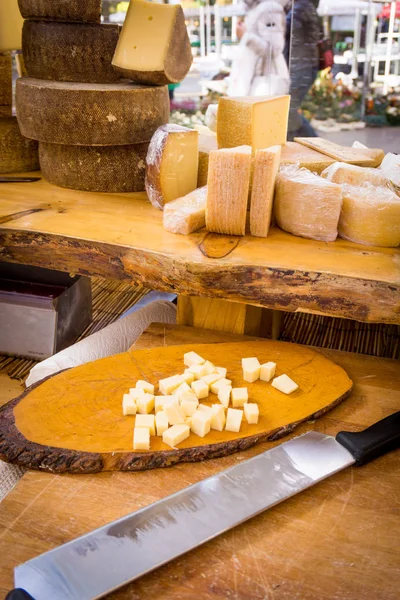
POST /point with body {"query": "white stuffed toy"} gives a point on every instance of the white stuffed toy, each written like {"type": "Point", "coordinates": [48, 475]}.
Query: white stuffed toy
{"type": "Point", "coordinates": [259, 68]}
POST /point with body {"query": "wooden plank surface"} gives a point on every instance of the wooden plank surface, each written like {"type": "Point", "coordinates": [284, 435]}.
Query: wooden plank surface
{"type": "Point", "coordinates": [337, 540]}
{"type": "Point", "coordinates": [121, 236]}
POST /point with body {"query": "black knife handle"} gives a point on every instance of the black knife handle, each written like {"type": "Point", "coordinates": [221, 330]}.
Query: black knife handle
{"type": "Point", "coordinates": [375, 441]}
{"type": "Point", "coordinates": [19, 594]}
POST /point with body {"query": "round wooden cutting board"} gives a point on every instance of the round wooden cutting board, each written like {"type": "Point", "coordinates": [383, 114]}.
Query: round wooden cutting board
{"type": "Point", "coordinates": [73, 422]}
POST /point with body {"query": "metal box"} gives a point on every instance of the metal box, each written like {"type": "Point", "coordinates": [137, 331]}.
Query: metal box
{"type": "Point", "coordinates": [41, 311]}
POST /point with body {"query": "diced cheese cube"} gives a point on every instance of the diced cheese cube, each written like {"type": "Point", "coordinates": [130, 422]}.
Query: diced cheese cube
{"type": "Point", "coordinates": [136, 393]}
{"type": "Point", "coordinates": [161, 422]}
{"type": "Point", "coordinates": [200, 388]}
{"type": "Point", "coordinates": [221, 370]}
{"type": "Point", "coordinates": [145, 404]}
{"type": "Point", "coordinates": [145, 386]}
{"type": "Point", "coordinates": [190, 395]}
{"type": "Point", "coordinates": [191, 358]}
{"type": "Point", "coordinates": [168, 386]}
{"type": "Point", "coordinates": [147, 421]}
{"type": "Point", "coordinates": [218, 417]}
{"type": "Point", "coordinates": [128, 405]}
{"type": "Point", "coordinates": [284, 384]}
{"type": "Point", "coordinates": [201, 423]}
{"type": "Point", "coordinates": [209, 368]}
{"type": "Point", "coordinates": [188, 421]}
{"type": "Point", "coordinates": [161, 401]}
{"type": "Point", "coordinates": [251, 413]}
{"type": "Point", "coordinates": [174, 413]}
{"type": "Point", "coordinates": [189, 407]}
{"type": "Point", "coordinates": [182, 389]}
{"type": "Point", "coordinates": [251, 369]}
{"type": "Point", "coordinates": [215, 387]}
{"type": "Point", "coordinates": [176, 434]}
{"type": "Point", "coordinates": [224, 395]}
{"type": "Point", "coordinates": [267, 371]}
{"type": "Point", "coordinates": [239, 397]}
{"type": "Point", "coordinates": [141, 438]}
{"type": "Point", "coordinates": [188, 377]}
{"type": "Point", "coordinates": [233, 420]}
{"type": "Point", "coordinates": [212, 378]}
{"type": "Point", "coordinates": [204, 408]}
{"type": "Point", "coordinates": [197, 370]}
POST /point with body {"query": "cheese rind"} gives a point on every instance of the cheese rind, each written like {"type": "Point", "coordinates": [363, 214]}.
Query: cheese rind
{"type": "Point", "coordinates": [340, 172]}
{"type": "Point", "coordinates": [82, 11]}
{"type": "Point", "coordinates": [176, 434]}
{"type": "Point", "coordinates": [146, 421]}
{"type": "Point", "coordinates": [307, 205]}
{"type": "Point", "coordinates": [17, 153]}
{"type": "Point", "coordinates": [266, 167]}
{"type": "Point", "coordinates": [284, 384]}
{"type": "Point", "coordinates": [251, 369]}
{"type": "Point", "coordinates": [267, 371]}
{"type": "Point", "coordinates": [228, 190]}
{"type": "Point", "coordinates": [137, 57]}
{"type": "Point", "coordinates": [259, 121]}
{"type": "Point", "coordinates": [141, 438]}
{"type": "Point", "coordinates": [90, 114]}
{"type": "Point", "coordinates": [172, 163]}
{"type": "Point", "coordinates": [190, 359]}
{"type": "Point", "coordinates": [186, 215]}
{"type": "Point", "coordinates": [251, 412]}
{"type": "Point", "coordinates": [6, 82]}
{"type": "Point", "coordinates": [239, 397]}
{"type": "Point", "coordinates": [233, 420]}
{"type": "Point", "coordinates": [161, 421]}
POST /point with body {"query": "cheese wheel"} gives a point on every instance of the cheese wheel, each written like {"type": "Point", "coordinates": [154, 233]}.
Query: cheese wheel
{"type": "Point", "coordinates": [94, 168]}
{"type": "Point", "coordinates": [307, 205]}
{"type": "Point", "coordinates": [70, 51]}
{"type": "Point", "coordinates": [85, 11]}
{"type": "Point", "coordinates": [351, 174]}
{"type": "Point", "coordinates": [17, 154]}
{"type": "Point", "coordinates": [6, 82]}
{"type": "Point", "coordinates": [370, 215]}
{"type": "Point", "coordinates": [90, 114]}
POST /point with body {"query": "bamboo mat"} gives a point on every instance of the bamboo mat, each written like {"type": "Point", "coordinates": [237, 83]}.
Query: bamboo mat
{"type": "Point", "coordinates": [112, 298]}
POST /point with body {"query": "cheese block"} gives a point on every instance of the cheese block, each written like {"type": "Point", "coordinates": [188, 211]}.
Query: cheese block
{"type": "Point", "coordinates": [340, 172]}
{"type": "Point", "coordinates": [370, 215]}
{"type": "Point", "coordinates": [6, 82]}
{"type": "Point", "coordinates": [266, 167]}
{"type": "Point", "coordinates": [207, 144]}
{"type": "Point", "coordinates": [390, 167]}
{"type": "Point", "coordinates": [154, 47]}
{"type": "Point", "coordinates": [218, 417]}
{"type": "Point", "coordinates": [228, 190]}
{"type": "Point", "coordinates": [174, 413]}
{"type": "Point", "coordinates": [307, 205]}
{"type": "Point", "coordinates": [85, 11]}
{"type": "Point", "coordinates": [90, 114]}
{"type": "Point", "coordinates": [294, 153]}
{"type": "Point", "coordinates": [257, 121]}
{"type": "Point", "coordinates": [145, 404]}
{"type": "Point", "coordinates": [201, 423]}
{"type": "Point", "coordinates": [128, 405]}
{"type": "Point", "coordinates": [10, 26]}
{"type": "Point", "coordinates": [17, 153]}
{"type": "Point", "coordinates": [95, 168]}
{"type": "Point", "coordinates": [172, 163]}
{"type": "Point", "coordinates": [356, 156]}
{"type": "Point", "coordinates": [188, 214]}
{"type": "Point", "coordinates": [70, 51]}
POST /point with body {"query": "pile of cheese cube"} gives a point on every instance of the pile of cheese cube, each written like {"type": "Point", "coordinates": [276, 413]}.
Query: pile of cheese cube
{"type": "Point", "coordinates": [178, 411]}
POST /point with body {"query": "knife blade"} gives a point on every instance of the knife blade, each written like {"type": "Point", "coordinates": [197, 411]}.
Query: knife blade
{"type": "Point", "coordinates": [19, 179]}
{"type": "Point", "coordinates": [113, 555]}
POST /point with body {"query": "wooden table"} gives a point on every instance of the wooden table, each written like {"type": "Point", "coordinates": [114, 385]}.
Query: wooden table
{"type": "Point", "coordinates": [338, 540]}
{"type": "Point", "coordinates": [121, 236]}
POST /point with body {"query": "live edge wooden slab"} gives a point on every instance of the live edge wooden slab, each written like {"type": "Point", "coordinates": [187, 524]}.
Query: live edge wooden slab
{"type": "Point", "coordinates": [121, 236]}
{"type": "Point", "coordinates": [73, 421]}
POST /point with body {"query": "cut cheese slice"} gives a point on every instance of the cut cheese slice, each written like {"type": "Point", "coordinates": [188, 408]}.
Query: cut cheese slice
{"type": "Point", "coordinates": [207, 144]}
{"type": "Point", "coordinates": [70, 51]}
{"type": "Point", "coordinates": [172, 163]}
{"type": "Point", "coordinates": [6, 82]}
{"type": "Point", "coordinates": [154, 46]}
{"type": "Point", "coordinates": [187, 214]}
{"type": "Point", "coordinates": [307, 205]}
{"type": "Point", "coordinates": [266, 167]}
{"type": "Point", "coordinates": [90, 114]}
{"type": "Point", "coordinates": [259, 121]}
{"type": "Point", "coordinates": [17, 153]}
{"type": "Point", "coordinates": [10, 26]}
{"type": "Point", "coordinates": [83, 11]}
{"type": "Point", "coordinates": [228, 190]}
{"type": "Point", "coordinates": [370, 215]}
{"type": "Point", "coordinates": [340, 172]}
{"type": "Point", "coordinates": [356, 156]}
{"type": "Point", "coordinates": [294, 153]}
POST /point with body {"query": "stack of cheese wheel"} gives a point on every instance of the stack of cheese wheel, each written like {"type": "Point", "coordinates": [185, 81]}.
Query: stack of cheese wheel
{"type": "Point", "coordinates": [93, 127]}
{"type": "Point", "coordinates": [17, 153]}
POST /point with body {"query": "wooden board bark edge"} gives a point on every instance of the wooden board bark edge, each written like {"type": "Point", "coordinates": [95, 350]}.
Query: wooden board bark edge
{"type": "Point", "coordinates": [59, 460]}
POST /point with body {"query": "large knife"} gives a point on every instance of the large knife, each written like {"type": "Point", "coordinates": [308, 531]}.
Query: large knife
{"type": "Point", "coordinates": [111, 556]}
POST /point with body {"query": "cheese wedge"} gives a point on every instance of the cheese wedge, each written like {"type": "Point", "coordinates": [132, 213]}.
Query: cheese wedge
{"type": "Point", "coordinates": [141, 438]}
{"type": "Point", "coordinates": [218, 419]}
{"type": "Point", "coordinates": [257, 121]}
{"type": "Point", "coordinates": [267, 371]}
{"type": "Point", "coordinates": [201, 423]}
{"type": "Point", "coordinates": [284, 384]}
{"type": "Point", "coordinates": [239, 397]}
{"type": "Point", "coordinates": [251, 412]}
{"type": "Point", "coordinates": [145, 386]}
{"type": "Point", "coordinates": [251, 369]}
{"type": "Point", "coordinates": [224, 395]}
{"type": "Point", "coordinates": [128, 405]}
{"type": "Point", "coordinates": [176, 434]}
{"type": "Point", "coordinates": [161, 422]}
{"type": "Point", "coordinates": [341, 172]}
{"type": "Point", "coordinates": [186, 215]}
{"type": "Point", "coordinates": [266, 167]}
{"type": "Point", "coordinates": [307, 205]}
{"type": "Point", "coordinates": [228, 190]}
{"type": "Point", "coordinates": [233, 420]}
{"type": "Point", "coordinates": [172, 163]}
{"type": "Point", "coordinates": [146, 421]}
{"type": "Point", "coordinates": [154, 47]}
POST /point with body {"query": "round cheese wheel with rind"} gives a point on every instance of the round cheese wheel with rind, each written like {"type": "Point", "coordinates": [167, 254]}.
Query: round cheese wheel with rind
{"type": "Point", "coordinates": [17, 153]}
{"type": "Point", "coordinates": [82, 11]}
{"type": "Point", "coordinates": [70, 51]}
{"type": "Point", "coordinates": [90, 114]}
{"type": "Point", "coordinates": [94, 168]}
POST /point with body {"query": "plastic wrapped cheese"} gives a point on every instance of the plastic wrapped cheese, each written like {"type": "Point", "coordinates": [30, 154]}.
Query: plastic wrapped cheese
{"type": "Point", "coordinates": [390, 167]}
{"type": "Point", "coordinates": [307, 205]}
{"type": "Point", "coordinates": [186, 214]}
{"type": "Point", "coordinates": [370, 215]}
{"type": "Point", "coordinates": [341, 172]}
